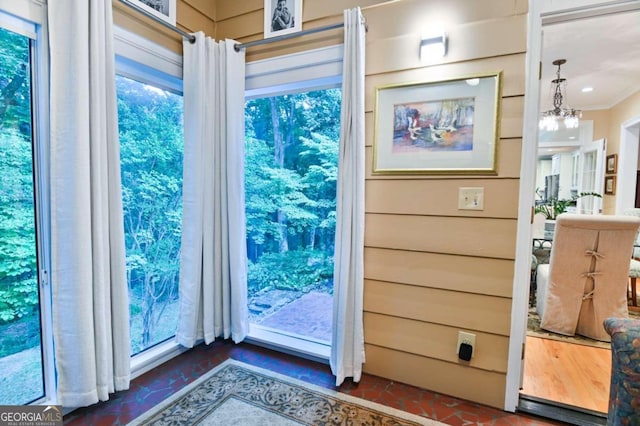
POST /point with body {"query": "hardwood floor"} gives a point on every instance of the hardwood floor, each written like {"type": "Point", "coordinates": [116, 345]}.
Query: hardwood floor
{"type": "Point", "coordinates": [568, 373]}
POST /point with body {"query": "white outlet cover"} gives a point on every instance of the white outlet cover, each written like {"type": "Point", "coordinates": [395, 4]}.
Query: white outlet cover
{"type": "Point", "coordinates": [471, 198]}
{"type": "Point", "coordinates": [464, 337]}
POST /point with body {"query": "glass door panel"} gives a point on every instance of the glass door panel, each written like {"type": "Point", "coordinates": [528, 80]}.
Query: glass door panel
{"type": "Point", "coordinates": [21, 360]}
{"type": "Point", "coordinates": [291, 166]}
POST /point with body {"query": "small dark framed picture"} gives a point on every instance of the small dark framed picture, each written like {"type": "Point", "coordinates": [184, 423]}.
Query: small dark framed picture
{"type": "Point", "coordinates": [282, 17]}
{"type": "Point", "coordinates": [612, 163]}
{"type": "Point", "coordinates": [610, 185]}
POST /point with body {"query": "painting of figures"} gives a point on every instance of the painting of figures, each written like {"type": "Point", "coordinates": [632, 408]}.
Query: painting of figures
{"type": "Point", "coordinates": [440, 125]}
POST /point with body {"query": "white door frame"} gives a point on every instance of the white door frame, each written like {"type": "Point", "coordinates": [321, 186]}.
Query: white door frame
{"type": "Point", "coordinates": [548, 11]}
{"type": "Point", "coordinates": [627, 164]}
{"type": "Point", "coordinates": [600, 148]}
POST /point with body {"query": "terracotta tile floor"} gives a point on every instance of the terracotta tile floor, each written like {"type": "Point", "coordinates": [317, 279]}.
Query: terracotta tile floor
{"type": "Point", "coordinates": [158, 384]}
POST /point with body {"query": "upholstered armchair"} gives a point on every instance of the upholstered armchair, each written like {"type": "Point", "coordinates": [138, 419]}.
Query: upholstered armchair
{"type": "Point", "coordinates": [624, 396]}
{"type": "Point", "coordinates": [586, 279]}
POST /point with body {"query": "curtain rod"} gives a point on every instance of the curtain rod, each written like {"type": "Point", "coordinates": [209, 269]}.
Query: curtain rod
{"type": "Point", "coordinates": [239, 46]}
{"type": "Point", "coordinates": [173, 28]}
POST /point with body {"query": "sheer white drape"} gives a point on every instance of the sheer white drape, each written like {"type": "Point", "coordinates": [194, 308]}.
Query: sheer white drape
{"type": "Point", "coordinates": [347, 346]}
{"type": "Point", "coordinates": [90, 297]}
{"type": "Point", "coordinates": [213, 264]}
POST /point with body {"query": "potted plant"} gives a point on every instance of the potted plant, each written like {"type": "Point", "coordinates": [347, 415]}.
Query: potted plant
{"type": "Point", "coordinates": [553, 207]}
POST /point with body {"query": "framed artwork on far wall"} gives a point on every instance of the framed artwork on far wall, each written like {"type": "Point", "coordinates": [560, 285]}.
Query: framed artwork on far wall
{"type": "Point", "coordinates": [438, 127]}
{"type": "Point", "coordinates": [282, 17]}
{"type": "Point", "coordinates": [610, 185]}
{"type": "Point", "coordinates": [612, 164]}
{"type": "Point", "coordinates": [163, 9]}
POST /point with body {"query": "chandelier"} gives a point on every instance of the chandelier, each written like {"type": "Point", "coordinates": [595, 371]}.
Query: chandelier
{"type": "Point", "coordinates": [550, 119]}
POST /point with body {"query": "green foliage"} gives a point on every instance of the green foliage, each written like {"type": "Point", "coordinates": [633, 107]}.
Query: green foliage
{"type": "Point", "coordinates": [552, 208]}
{"type": "Point", "coordinates": [15, 92]}
{"type": "Point", "coordinates": [291, 156]}
{"type": "Point", "coordinates": [18, 266]}
{"type": "Point", "coordinates": [151, 147]}
{"type": "Point", "coordinates": [291, 270]}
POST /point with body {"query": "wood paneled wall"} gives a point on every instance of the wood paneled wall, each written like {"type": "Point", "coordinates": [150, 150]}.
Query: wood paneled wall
{"type": "Point", "coordinates": [192, 16]}
{"type": "Point", "coordinates": [430, 269]}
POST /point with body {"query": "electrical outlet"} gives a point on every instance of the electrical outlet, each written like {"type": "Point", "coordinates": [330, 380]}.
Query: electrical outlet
{"type": "Point", "coordinates": [468, 338]}
{"type": "Point", "coordinates": [471, 198]}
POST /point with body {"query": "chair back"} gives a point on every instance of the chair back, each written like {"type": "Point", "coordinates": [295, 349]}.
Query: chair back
{"type": "Point", "coordinates": [634, 212]}
{"type": "Point", "coordinates": [588, 273]}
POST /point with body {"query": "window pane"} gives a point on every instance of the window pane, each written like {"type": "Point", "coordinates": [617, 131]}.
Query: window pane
{"type": "Point", "coordinates": [151, 148]}
{"type": "Point", "coordinates": [291, 166]}
{"type": "Point", "coordinates": [20, 331]}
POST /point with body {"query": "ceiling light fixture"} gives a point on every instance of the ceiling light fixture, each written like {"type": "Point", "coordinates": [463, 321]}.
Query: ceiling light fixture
{"type": "Point", "coordinates": [550, 119]}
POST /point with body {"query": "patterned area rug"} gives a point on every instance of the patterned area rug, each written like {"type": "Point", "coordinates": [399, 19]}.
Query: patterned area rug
{"type": "Point", "coordinates": [235, 393]}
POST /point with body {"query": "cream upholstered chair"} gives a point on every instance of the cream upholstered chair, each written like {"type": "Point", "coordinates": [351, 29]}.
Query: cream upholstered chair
{"type": "Point", "coordinates": [634, 267]}
{"type": "Point", "coordinates": [634, 274]}
{"type": "Point", "coordinates": [636, 249]}
{"type": "Point", "coordinates": [587, 275]}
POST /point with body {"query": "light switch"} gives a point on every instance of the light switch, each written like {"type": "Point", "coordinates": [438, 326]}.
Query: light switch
{"type": "Point", "coordinates": [471, 198]}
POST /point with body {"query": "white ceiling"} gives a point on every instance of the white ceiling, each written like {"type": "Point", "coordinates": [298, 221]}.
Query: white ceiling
{"type": "Point", "coordinates": [602, 52]}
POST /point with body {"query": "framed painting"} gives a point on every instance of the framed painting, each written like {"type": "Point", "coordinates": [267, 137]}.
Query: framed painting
{"type": "Point", "coordinates": [163, 9]}
{"type": "Point", "coordinates": [282, 17]}
{"type": "Point", "coordinates": [610, 185]}
{"type": "Point", "coordinates": [438, 127]}
{"type": "Point", "coordinates": [612, 164]}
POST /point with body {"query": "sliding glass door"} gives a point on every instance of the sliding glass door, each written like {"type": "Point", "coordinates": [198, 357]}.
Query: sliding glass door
{"type": "Point", "coordinates": [291, 168]}
{"type": "Point", "coordinates": [21, 349]}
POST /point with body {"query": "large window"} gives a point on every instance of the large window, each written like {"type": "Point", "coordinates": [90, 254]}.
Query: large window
{"type": "Point", "coordinates": [150, 123]}
{"type": "Point", "coordinates": [291, 149]}
{"type": "Point", "coordinates": [22, 353]}
{"type": "Point", "coordinates": [151, 148]}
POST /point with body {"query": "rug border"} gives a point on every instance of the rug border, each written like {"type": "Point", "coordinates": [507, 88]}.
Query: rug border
{"type": "Point", "coordinates": [291, 380]}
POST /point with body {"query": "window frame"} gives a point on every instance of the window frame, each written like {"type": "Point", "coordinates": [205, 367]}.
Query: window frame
{"type": "Point", "coordinates": [142, 60]}
{"type": "Point", "coordinates": [29, 19]}
{"type": "Point", "coordinates": [317, 69]}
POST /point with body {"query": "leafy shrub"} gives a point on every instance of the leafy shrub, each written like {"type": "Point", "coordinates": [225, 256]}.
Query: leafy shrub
{"type": "Point", "coordinates": [290, 270]}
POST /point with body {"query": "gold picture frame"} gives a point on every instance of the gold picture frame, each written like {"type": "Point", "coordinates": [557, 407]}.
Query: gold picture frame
{"type": "Point", "coordinates": [612, 164]}
{"type": "Point", "coordinates": [610, 185]}
{"type": "Point", "coordinates": [438, 127]}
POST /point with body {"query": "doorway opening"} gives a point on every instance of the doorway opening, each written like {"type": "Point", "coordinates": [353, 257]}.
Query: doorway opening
{"type": "Point", "coordinates": [558, 30]}
{"type": "Point", "coordinates": [292, 131]}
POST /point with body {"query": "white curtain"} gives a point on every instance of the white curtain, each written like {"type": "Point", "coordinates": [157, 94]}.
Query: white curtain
{"type": "Point", "coordinates": [213, 264]}
{"type": "Point", "coordinates": [90, 298]}
{"type": "Point", "coordinates": [347, 346]}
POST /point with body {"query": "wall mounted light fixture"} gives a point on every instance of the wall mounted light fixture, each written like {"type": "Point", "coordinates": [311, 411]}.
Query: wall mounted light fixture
{"type": "Point", "coordinates": [433, 47]}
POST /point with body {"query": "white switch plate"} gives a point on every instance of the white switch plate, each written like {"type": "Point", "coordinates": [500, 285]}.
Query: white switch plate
{"type": "Point", "coordinates": [468, 338]}
{"type": "Point", "coordinates": [471, 198]}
